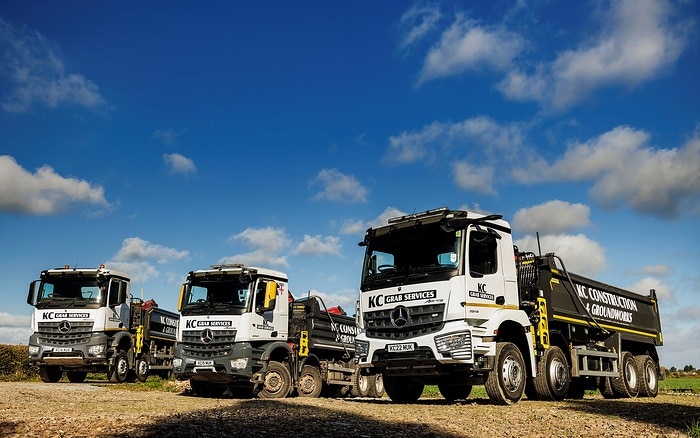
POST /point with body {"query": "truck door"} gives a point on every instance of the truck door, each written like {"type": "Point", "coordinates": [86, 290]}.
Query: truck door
{"type": "Point", "coordinates": [267, 320]}
{"type": "Point", "coordinates": [484, 274]}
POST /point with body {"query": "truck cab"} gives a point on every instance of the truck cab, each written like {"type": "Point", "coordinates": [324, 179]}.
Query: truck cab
{"type": "Point", "coordinates": [232, 317]}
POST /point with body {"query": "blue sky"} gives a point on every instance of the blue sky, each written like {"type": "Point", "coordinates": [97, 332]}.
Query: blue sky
{"type": "Point", "coordinates": [164, 137]}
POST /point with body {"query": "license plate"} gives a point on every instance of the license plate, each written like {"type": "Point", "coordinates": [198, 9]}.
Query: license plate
{"type": "Point", "coordinates": [62, 349]}
{"type": "Point", "coordinates": [204, 363]}
{"type": "Point", "coordinates": [400, 348]}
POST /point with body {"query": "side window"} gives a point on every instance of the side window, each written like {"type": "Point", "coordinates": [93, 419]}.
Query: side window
{"type": "Point", "coordinates": [483, 252]}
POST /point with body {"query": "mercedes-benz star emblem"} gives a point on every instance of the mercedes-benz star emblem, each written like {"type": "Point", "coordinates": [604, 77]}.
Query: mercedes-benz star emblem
{"type": "Point", "coordinates": [399, 317]}
{"type": "Point", "coordinates": [207, 336]}
{"type": "Point", "coordinates": [64, 326]}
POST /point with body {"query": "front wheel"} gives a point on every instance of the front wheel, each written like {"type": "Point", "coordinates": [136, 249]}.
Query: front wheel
{"type": "Point", "coordinates": [76, 376]}
{"type": "Point", "coordinates": [50, 373]}
{"type": "Point", "coordinates": [506, 383]}
{"type": "Point", "coordinates": [377, 387]}
{"type": "Point", "coordinates": [277, 381]}
{"type": "Point", "coordinates": [455, 392]}
{"type": "Point", "coordinates": [402, 389]}
{"type": "Point", "coordinates": [310, 383]}
{"type": "Point", "coordinates": [361, 384]}
{"type": "Point", "coordinates": [119, 371]}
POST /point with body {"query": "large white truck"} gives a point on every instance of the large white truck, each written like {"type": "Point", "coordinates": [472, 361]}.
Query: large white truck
{"type": "Point", "coordinates": [446, 299]}
{"type": "Point", "coordinates": [85, 320]}
{"type": "Point", "coordinates": [241, 330]}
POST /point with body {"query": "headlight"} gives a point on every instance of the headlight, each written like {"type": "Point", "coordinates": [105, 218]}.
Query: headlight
{"type": "Point", "coordinates": [96, 350]}
{"type": "Point", "coordinates": [239, 364]}
{"type": "Point", "coordinates": [34, 350]}
{"type": "Point", "coordinates": [457, 345]}
{"type": "Point", "coordinates": [361, 349]}
{"type": "Point", "coordinates": [177, 363]}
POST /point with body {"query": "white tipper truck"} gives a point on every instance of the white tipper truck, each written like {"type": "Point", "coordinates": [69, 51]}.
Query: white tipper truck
{"type": "Point", "coordinates": [85, 320]}
{"type": "Point", "coordinates": [446, 299]}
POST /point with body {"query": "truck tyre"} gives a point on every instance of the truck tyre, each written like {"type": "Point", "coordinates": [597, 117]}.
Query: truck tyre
{"type": "Point", "coordinates": [76, 376]}
{"type": "Point", "coordinates": [50, 374]}
{"type": "Point", "coordinates": [310, 383]}
{"type": "Point", "coordinates": [206, 389]}
{"type": "Point", "coordinates": [276, 382]}
{"type": "Point", "coordinates": [361, 384]}
{"type": "Point", "coordinates": [606, 388]}
{"type": "Point", "coordinates": [506, 383]}
{"type": "Point", "coordinates": [119, 371]}
{"type": "Point", "coordinates": [141, 370]}
{"type": "Point", "coordinates": [648, 376]}
{"type": "Point", "coordinates": [577, 388]}
{"type": "Point", "coordinates": [455, 392]}
{"type": "Point", "coordinates": [402, 389]}
{"type": "Point", "coordinates": [377, 387]}
{"type": "Point", "coordinates": [553, 375]}
{"type": "Point", "coordinates": [627, 385]}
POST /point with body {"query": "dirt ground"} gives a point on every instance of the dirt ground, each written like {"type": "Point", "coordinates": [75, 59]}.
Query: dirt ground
{"type": "Point", "coordinates": [110, 410]}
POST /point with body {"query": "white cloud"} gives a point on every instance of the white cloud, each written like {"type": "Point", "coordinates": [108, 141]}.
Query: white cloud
{"type": "Point", "coordinates": [359, 226]}
{"type": "Point", "coordinates": [418, 22]}
{"type": "Point", "coordinates": [625, 170]}
{"type": "Point", "coordinates": [137, 249]}
{"type": "Point", "coordinates": [269, 239]}
{"type": "Point", "coordinates": [318, 245]}
{"type": "Point", "coordinates": [338, 187]}
{"type": "Point", "coordinates": [655, 270]}
{"type": "Point", "coordinates": [552, 217]}
{"type": "Point", "coordinates": [580, 254]}
{"type": "Point", "coordinates": [344, 298]}
{"type": "Point", "coordinates": [166, 136]}
{"type": "Point", "coordinates": [35, 73]}
{"type": "Point", "coordinates": [637, 42]}
{"type": "Point", "coordinates": [478, 179]}
{"type": "Point", "coordinates": [466, 45]}
{"type": "Point", "coordinates": [351, 226]}
{"type": "Point", "coordinates": [663, 291]}
{"type": "Point", "coordinates": [44, 192]}
{"type": "Point", "coordinates": [15, 329]}
{"type": "Point", "coordinates": [258, 257]}
{"type": "Point", "coordinates": [138, 271]}
{"type": "Point", "coordinates": [179, 163]}
{"type": "Point", "coordinates": [267, 244]}
{"type": "Point", "coordinates": [491, 139]}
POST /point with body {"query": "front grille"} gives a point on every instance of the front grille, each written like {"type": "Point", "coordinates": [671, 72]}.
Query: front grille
{"type": "Point", "coordinates": [78, 333]}
{"type": "Point", "coordinates": [422, 320]}
{"type": "Point", "coordinates": [221, 344]}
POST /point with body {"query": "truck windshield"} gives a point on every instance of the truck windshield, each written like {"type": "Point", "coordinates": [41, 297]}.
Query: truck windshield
{"type": "Point", "coordinates": [71, 292]}
{"type": "Point", "coordinates": [411, 255]}
{"type": "Point", "coordinates": [207, 296]}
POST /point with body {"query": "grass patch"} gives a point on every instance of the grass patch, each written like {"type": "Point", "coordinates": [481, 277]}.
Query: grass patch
{"type": "Point", "coordinates": [680, 384]}
{"type": "Point", "coordinates": [693, 429]}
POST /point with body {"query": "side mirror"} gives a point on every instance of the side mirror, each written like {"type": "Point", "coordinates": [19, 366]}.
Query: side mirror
{"type": "Point", "coordinates": [270, 295]}
{"type": "Point", "coordinates": [180, 304]}
{"type": "Point", "coordinates": [31, 295]}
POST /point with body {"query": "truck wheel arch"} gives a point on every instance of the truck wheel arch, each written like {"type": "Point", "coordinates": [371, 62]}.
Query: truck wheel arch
{"type": "Point", "coordinates": [512, 331]}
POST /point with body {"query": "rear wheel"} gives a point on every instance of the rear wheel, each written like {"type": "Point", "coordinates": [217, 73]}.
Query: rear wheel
{"type": "Point", "coordinates": [119, 371]}
{"type": "Point", "coordinates": [648, 376]}
{"type": "Point", "coordinates": [50, 373]}
{"type": "Point", "coordinates": [455, 392]}
{"type": "Point", "coordinates": [552, 381]}
{"type": "Point", "coordinates": [377, 388]}
{"type": "Point", "coordinates": [76, 376]}
{"type": "Point", "coordinates": [506, 383]}
{"type": "Point", "coordinates": [310, 383]}
{"type": "Point", "coordinates": [277, 381]}
{"type": "Point", "coordinates": [402, 389]}
{"type": "Point", "coordinates": [361, 384]}
{"type": "Point", "coordinates": [627, 385]}
{"type": "Point", "coordinates": [141, 370]}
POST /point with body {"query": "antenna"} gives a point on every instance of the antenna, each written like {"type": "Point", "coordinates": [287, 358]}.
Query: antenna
{"type": "Point", "coordinates": [539, 248]}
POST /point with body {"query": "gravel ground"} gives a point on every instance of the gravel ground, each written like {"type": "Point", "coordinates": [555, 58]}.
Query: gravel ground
{"type": "Point", "coordinates": [106, 410]}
